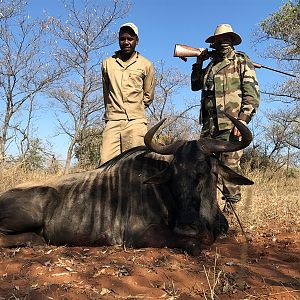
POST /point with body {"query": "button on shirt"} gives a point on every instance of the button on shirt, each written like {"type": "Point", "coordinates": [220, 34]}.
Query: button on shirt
{"type": "Point", "coordinates": [128, 87]}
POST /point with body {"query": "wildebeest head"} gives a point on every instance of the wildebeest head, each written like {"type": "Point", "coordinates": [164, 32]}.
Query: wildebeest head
{"type": "Point", "coordinates": [192, 176]}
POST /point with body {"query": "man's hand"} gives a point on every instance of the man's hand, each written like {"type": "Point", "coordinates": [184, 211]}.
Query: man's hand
{"type": "Point", "coordinates": [203, 56]}
{"type": "Point", "coordinates": [236, 132]}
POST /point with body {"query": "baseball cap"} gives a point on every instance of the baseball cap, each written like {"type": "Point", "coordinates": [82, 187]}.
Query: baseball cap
{"type": "Point", "coordinates": [132, 26]}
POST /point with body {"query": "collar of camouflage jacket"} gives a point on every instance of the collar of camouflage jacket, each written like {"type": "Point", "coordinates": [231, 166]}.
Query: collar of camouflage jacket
{"type": "Point", "coordinates": [220, 64]}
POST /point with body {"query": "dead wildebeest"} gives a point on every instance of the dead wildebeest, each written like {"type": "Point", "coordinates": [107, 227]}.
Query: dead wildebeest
{"type": "Point", "coordinates": [153, 196]}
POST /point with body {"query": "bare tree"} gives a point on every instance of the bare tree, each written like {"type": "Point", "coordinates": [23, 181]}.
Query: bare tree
{"type": "Point", "coordinates": [80, 39]}
{"type": "Point", "coordinates": [281, 31]}
{"type": "Point", "coordinates": [24, 133]}
{"type": "Point", "coordinates": [24, 69]}
{"type": "Point", "coordinates": [10, 8]}
{"type": "Point", "coordinates": [181, 123]}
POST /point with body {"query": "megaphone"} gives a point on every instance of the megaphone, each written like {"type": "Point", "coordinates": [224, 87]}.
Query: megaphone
{"type": "Point", "coordinates": [184, 51]}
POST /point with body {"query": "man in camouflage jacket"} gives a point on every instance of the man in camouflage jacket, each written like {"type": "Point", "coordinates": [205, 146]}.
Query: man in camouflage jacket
{"type": "Point", "coordinates": [228, 83]}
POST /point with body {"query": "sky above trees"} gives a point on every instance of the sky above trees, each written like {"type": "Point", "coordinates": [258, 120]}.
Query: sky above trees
{"type": "Point", "coordinates": [162, 24]}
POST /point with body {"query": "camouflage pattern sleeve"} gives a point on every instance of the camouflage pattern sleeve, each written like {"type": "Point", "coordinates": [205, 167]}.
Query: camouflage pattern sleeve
{"type": "Point", "coordinates": [197, 77]}
{"type": "Point", "coordinates": [250, 90]}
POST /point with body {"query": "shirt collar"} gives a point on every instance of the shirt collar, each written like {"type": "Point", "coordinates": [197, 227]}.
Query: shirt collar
{"type": "Point", "coordinates": [128, 62]}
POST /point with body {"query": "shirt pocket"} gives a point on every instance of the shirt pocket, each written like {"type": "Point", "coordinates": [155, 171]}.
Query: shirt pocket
{"type": "Point", "coordinates": [136, 79]}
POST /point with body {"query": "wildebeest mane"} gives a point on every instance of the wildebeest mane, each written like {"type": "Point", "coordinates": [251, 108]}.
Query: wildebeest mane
{"type": "Point", "coordinates": [121, 156]}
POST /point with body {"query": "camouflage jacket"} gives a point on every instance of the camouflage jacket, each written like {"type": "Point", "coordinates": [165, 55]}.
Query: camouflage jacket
{"type": "Point", "coordinates": [236, 89]}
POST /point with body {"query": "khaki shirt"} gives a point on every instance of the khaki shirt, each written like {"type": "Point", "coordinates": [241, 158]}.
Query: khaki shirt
{"type": "Point", "coordinates": [128, 87]}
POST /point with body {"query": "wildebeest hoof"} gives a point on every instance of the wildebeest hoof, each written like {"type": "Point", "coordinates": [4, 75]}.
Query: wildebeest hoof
{"type": "Point", "coordinates": [190, 230]}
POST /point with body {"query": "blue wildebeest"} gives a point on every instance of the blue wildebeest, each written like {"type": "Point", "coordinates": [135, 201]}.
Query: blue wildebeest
{"type": "Point", "coordinates": [152, 196]}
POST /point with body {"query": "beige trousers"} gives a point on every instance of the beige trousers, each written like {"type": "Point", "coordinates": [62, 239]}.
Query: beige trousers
{"type": "Point", "coordinates": [121, 135]}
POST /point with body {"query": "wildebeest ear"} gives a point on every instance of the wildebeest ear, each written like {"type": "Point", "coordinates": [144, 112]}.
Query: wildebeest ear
{"type": "Point", "coordinates": [232, 176]}
{"type": "Point", "coordinates": [159, 178]}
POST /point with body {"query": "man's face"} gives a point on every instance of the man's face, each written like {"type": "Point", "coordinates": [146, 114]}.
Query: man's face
{"type": "Point", "coordinates": [222, 44]}
{"type": "Point", "coordinates": [222, 41]}
{"type": "Point", "coordinates": [127, 41]}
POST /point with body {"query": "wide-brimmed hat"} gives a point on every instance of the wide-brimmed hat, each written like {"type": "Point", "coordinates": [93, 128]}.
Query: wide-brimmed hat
{"type": "Point", "coordinates": [132, 26]}
{"type": "Point", "coordinates": [225, 29]}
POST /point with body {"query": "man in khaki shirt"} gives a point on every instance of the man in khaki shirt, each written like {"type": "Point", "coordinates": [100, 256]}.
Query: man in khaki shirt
{"type": "Point", "coordinates": [128, 88]}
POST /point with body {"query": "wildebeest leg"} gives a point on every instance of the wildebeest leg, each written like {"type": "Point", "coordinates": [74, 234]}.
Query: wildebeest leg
{"type": "Point", "coordinates": [23, 239]}
{"type": "Point", "coordinates": [157, 236]}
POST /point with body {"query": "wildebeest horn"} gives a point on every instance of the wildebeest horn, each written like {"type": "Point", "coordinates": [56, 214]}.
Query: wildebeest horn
{"type": "Point", "coordinates": [160, 149]}
{"type": "Point", "coordinates": [210, 145]}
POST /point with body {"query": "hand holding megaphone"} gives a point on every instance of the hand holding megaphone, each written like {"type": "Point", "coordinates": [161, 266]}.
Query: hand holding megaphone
{"type": "Point", "coordinates": [205, 54]}
{"type": "Point", "coordinates": [184, 51]}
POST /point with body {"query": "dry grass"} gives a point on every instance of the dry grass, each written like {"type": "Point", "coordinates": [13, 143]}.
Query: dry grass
{"type": "Point", "coordinates": [13, 175]}
{"type": "Point", "coordinates": [212, 278]}
{"type": "Point", "coordinates": [268, 201]}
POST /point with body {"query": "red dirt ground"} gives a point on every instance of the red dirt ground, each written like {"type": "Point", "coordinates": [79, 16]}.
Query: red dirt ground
{"type": "Point", "coordinates": [267, 267]}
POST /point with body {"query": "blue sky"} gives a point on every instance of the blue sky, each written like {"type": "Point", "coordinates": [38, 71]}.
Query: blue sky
{"type": "Point", "coordinates": [164, 23]}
